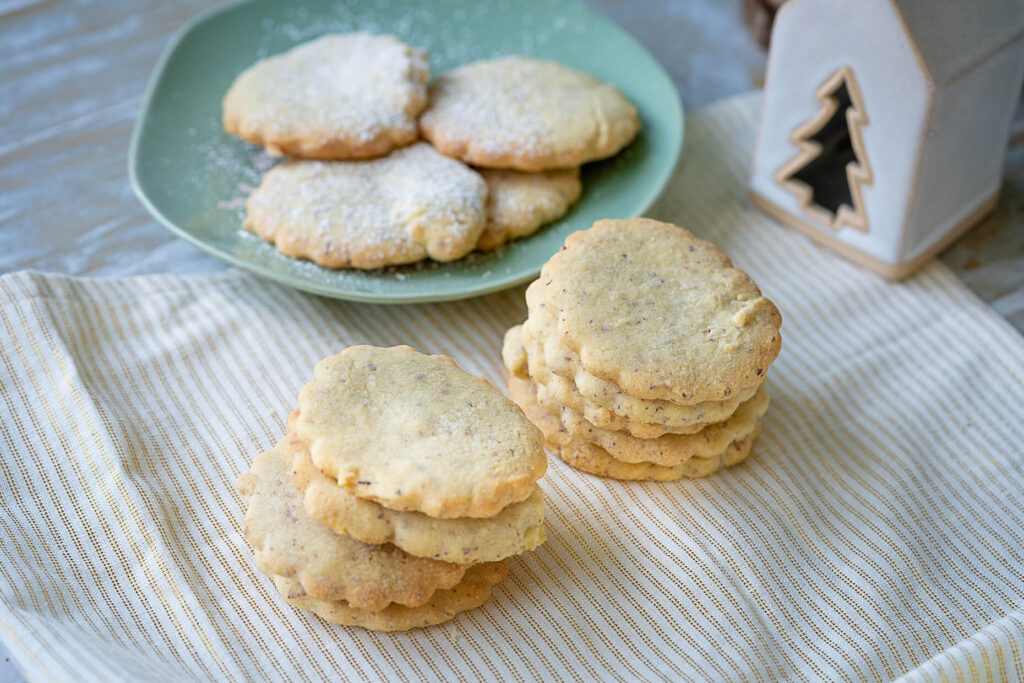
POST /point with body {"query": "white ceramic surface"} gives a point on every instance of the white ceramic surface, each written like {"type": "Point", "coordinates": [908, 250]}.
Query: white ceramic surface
{"type": "Point", "coordinates": [938, 118]}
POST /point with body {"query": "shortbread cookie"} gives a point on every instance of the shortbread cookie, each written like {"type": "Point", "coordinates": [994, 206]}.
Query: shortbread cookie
{"type": "Point", "coordinates": [659, 312]}
{"type": "Point", "coordinates": [402, 208]}
{"type": "Point", "coordinates": [526, 114]}
{"type": "Point", "coordinates": [593, 459]}
{"type": "Point", "coordinates": [542, 341]}
{"type": "Point", "coordinates": [415, 432]}
{"type": "Point", "coordinates": [342, 96]}
{"type": "Point", "coordinates": [517, 528]}
{"type": "Point", "coordinates": [555, 392]}
{"type": "Point", "coordinates": [328, 565]}
{"type": "Point", "coordinates": [603, 418]}
{"type": "Point", "coordinates": [519, 203]}
{"type": "Point", "coordinates": [671, 449]}
{"type": "Point", "coordinates": [470, 593]}
{"type": "Point", "coordinates": [513, 353]}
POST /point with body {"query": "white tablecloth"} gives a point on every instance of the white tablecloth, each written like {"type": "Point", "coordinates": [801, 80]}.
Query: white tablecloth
{"type": "Point", "coordinates": [875, 532]}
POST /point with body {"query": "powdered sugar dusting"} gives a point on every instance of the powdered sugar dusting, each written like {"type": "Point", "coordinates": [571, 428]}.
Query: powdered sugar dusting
{"type": "Point", "coordinates": [455, 35]}
{"type": "Point", "coordinates": [406, 206]}
{"type": "Point", "coordinates": [526, 113]}
{"type": "Point", "coordinates": [357, 87]}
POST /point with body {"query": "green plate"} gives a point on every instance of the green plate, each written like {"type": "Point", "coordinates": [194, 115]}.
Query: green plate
{"type": "Point", "coordinates": [193, 176]}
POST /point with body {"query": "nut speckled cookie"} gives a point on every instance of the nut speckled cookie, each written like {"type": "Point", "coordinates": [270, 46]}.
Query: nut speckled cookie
{"type": "Point", "coordinates": [517, 528]}
{"type": "Point", "coordinates": [328, 565]}
{"type": "Point", "coordinates": [407, 206]}
{"type": "Point", "coordinates": [588, 457]}
{"type": "Point", "coordinates": [554, 391]}
{"type": "Point", "coordinates": [671, 449]}
{"type": "Point", "coordinates": [415, 432]}
{"type": "Point", "coordinates": [526, 114]}
{"type": "Point", "coordinates": [542, 341]}
{"type": "Point", "coordinates": [519, 203]}
{"type": "Point", "coordinates": [470, 593]}
{"type": "Point", "coordinates": [659, 312]}
{"type": "Point", "coordinates": [342, 96]}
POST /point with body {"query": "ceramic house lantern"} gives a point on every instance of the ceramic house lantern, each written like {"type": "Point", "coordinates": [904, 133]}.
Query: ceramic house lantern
{"type": "Point", "coordinates": [885, 122]}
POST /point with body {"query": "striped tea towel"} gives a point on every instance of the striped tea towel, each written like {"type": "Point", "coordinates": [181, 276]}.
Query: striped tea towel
{"type": "Point", "coordinates": [877, 530]}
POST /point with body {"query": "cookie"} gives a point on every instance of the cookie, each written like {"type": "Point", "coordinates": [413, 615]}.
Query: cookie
{"type": "Point", "coordinates": [671, 449]}
{"type": "Point", "coordinates": [554, 392]}
{"type": "Point", "coordinates": [526, 114]}
{"type": "Point", "coordinates": [415, 432]}
{"type": "Point", "coordinates": [328, 565]}
{"type": "Point", "coordinates": [594, 460]}
{"type": "Point", "coordinates": [542, 340]}
{"type": "Point", "coordinates": [519, 203]}
{"type": "Point", "coordinates": [402, 208]}
{"type": "Point", "coordinates": [660, 313]}
{"type": "Point", "coordinates": [342, 96]}
{"type": "Point", "coordinates": [590, 458]}
{"type": "Point", "coordinates": [470, 593]}
{"type": "Point", "coordinates": [517, 528]}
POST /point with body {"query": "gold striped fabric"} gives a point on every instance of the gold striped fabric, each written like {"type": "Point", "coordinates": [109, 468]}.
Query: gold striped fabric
{"type": "Point", "coordinates": [877, 530]}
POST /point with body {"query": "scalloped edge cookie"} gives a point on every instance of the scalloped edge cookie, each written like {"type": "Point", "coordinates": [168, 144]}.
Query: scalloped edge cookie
{"type": "Point", "coordinates": [516, 529]}
{"type": "Point", "coordinates": [416, 432]}
{"type": "Point", "coordinates": [470, 593]}
{"type": "Point", "coordinates": [554, 392]}
{"type": "Point", "coordinates": [520, 203]}
{"type": "Point", "coordinates": [541, 341]}
{"type": "Point", "coordinates": [659, 312]}
{"type": "Point", "coordinates": [340, 96]}
{"type": "Point", "coordinates": [402, 208]}
{"type": "Point", "coordinates": [526, 114]}
{"type": "Point", "coordinates": [329, 565]}
{"type": "Point", "coordinates": [592, 459]}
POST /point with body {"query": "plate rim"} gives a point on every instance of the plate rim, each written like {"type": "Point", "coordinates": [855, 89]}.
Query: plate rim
{"type": "Point", "coordinates": [497, 284]}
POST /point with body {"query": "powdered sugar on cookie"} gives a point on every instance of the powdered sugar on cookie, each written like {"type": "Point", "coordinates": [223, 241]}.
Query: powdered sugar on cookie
{"type": "Point", "coordinates": [342, 96]}
{"type": "Point", "coordinates": [402, 208]}
{"type": "Point", "coordinates": [526, 114]}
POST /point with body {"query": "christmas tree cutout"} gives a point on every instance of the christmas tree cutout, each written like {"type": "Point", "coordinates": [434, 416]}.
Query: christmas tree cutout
{"type": "Point", "coordinates": [831, 168]}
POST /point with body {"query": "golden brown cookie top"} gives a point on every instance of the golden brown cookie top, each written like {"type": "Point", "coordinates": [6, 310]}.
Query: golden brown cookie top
{"type": "Point", "coordinates": [415, 432]}
{"type": "Point", "coordinates": [466, 540]}
{"type": "Point", "coordinates": [329, 565]}
{"type": "Point", "coordinates": [659, 312]}
{"type": "Point", "coordinates": [341, 96]}
{"type": "Point", "coordinates": [472, 591]}
{"type": "Point", "coordinates": [542, 340]}
{"type": "Point", "coordinates": [527, 114]}
{"type": "Point", "coordinates": [519, 203]}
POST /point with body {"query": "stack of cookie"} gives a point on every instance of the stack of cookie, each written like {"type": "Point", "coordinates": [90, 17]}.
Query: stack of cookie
{"type": "Point", "coordinates": [644, 353]}
{"type": "Point", "coordinates": [505, 140]}
{"type": "Point", "coordinates": [397, 496]}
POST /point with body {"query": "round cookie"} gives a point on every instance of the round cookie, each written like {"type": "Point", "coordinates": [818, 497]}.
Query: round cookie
{"type": "Point", "coordinates": [594, 460]}
{"type": "Point", "coordinates": [599, 416]}
{"type": "Point", "coordinates": [555, 392]}
{"type": "Point", "coordinates": [542, 341]}
{"type": "Point", "coordinates": [590, 458]}
{"type": "Point", "coordinates": [342, 96]}
{"type": "Point", "coordinates": [402, 208]}
{"type": "Point", "coordinates": [659, 312]}
{"type": "Point", "coordinates": [671, 449]}
{"type": "Point", "coordinates": [526, 114]}
{"type": "Point", "coordinates": [513, 353]}
{"type": "Point", "coordinates": [517, 528]}
{"type": "Point", "coordinates": [415, 432]}
{"type": "Point", "coordinates": [519, 203]}
{"type": "Point", "coordinates": [328, 565]}
{"type": "Point", "coordinates": [470, 593]}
